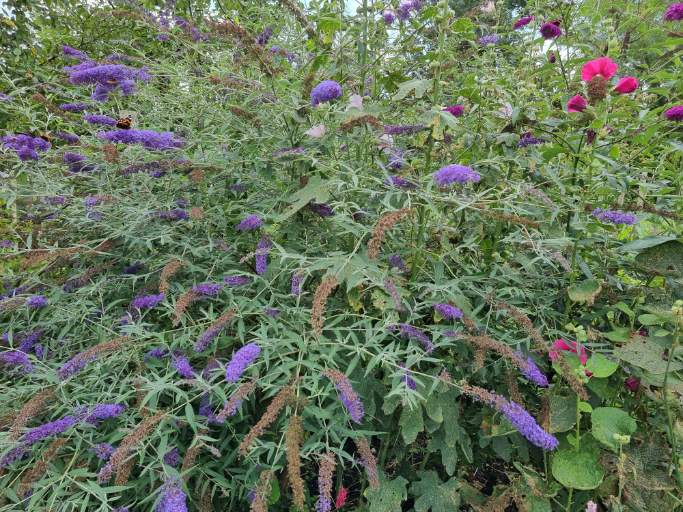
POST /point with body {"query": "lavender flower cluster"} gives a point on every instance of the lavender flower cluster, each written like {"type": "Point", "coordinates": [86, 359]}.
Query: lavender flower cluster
{"type": "Point", "coordinates": [240, 361]}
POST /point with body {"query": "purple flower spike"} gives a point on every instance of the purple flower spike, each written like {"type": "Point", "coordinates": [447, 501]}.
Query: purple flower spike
{"type": "Point", "coordinates": [103, 412]}
{"type": "Point", "coordinates": [99, 119]}
{"type": "Point", "coordinates": [50, 429]}
{"type": "Point", "coordinates": [183, 367]}
{"type": "Point", "coordinates": [262, 250]}
{"type": "Point", "coordinates": [455, 173]}
{"type": "Point", "coordinates": [527, 426]}
{"type": "Point", "coordinates": [407, 379]}
{"type": "Point", "coordinates": [146, 301]}
{"type": "Point", "coordinates": [207, 289]}
{"type": "Point", "coordinates": [325, 91]}
{"type": "Point", "coordinates": [70, 51]}
{"type": "Point", "coordinates": [347, 395]}
{"type": "Point", "coordinates": [448, 312]}
{"type": "Point", "coordinates": [73, 107]}
{"type": "Point", "coordinates": [614, 216]}
{"type": "Point", "coordinates": [234, 281]}
{"type": "Point", "coordinates": [240, 360]}
{"type": "Point", "coordinates": [250, 223]}
{"type": "Point", "coordinates": [103, 451]}
{"type": "Point", "coordinates": [16, 360]}
{"type": "Point", "coordinates": [147, 138]}
{"type": "Point", "coordinates": [410, 332]}
{"type": "Point", "coordinates": [295, 287]}
{"type": "Point", "coordinates": [533, 372]}
{"type": "Point", "coordinates": [172, 457]}
{"type": "Point", "coordinates": [173, 499]}
{"type": "Point", "coordinates": [36, 302]}
{"type": "Point", "coordinates": [400, 182]}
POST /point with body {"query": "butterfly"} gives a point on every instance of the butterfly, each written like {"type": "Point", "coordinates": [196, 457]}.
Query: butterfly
{"type": "Point", "coordinates": [124, 123]}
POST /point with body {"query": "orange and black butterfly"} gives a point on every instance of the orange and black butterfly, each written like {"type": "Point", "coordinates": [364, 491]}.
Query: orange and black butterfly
{"type": "Point", "coordinates": [124, 123]}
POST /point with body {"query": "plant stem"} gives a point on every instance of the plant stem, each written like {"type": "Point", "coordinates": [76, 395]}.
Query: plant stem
{"type": "Point", "coordinates": [578, 423]}
{"type": "Point", "coordinates": [569, 500]}
{"type": "Point", "coordinates": [672, 435]}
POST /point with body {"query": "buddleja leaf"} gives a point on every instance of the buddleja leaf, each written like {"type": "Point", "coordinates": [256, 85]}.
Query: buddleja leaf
{"type": "Point", "coordinates": [434, 495]}
{"type": "Point", "coordinates": [389, 496]}
{"type": "Point", "coordinates": [316, 189]}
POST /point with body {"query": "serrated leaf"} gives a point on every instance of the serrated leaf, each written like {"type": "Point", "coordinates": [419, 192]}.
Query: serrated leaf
{"type": "Point", "coordinates": [562, 413]}
{"type": "Point", "coordinates": [665, 258]}
{"type": "Point", "coordinates": [411, 423]}
{"type": "Point", "coordinates": [577, 469]}
{"type": "Point", "coordinates": [389, 496]}
{"type": "Point", "coordinates": [646, 354]}
{"type": "Point", "coordinates": [419, 86]}
{"type": "Point", "coordinates": [608, 421]}
{"type": "Point", "coordinates": [585, 291]}
{"type": "Point", "coordinates": [434, 495]}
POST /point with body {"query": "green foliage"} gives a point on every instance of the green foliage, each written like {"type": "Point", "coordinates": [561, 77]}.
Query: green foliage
{"type": "Point", "coordinates": [518, 251]}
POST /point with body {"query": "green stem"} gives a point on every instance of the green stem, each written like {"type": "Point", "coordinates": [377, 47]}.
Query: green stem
{"type": "Point", "coordinates": [669, 419]}
{"type": "Point", "coordinates": [568, 508]}
{"type": "Point", "coordinates": [578, 423]}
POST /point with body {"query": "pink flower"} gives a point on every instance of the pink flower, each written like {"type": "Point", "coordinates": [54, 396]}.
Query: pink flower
{"type": "Point", "coordinates": [626, 85]}
{"type": "Point", "coordinates": [632, 384]}
{"type": "Point", "coordinates": [577, 104]}
{"type": "Point", "coordinates": [603, 66]}
{"type": "Point", "coordinates": [341, 497]}
{"type": "Point", "coordinates": [568, 346]}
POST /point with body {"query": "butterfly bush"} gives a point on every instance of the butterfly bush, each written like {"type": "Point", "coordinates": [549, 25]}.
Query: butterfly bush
{"type": "Point", "coordinates": [193, 297]}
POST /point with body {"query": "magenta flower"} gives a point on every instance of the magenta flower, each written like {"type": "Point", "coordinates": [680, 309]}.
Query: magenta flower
{"type": "Point", "coordinates": [674, 12]}
{"type": "Point", "coordinates": [577, 104]}
{"type": "Point", "coordinates": [325, 91]}
{"type": "Point", "coordinates": [240, 361]}
{"type": "Point", "coordinates": [455, 110]}
{"type": "Point", "coordinates": [603, 66]}
{"type": "Point", "coordinates": [561, 345]}
{"type": "Point", "coordinates": [626, 85]}
{"type": "Point", "coordinates": [551, 29]}
{"type": "Point", "coordinates": [522, 22]}
{"type": "Point", "coordinates": [674, 113]}
{"type": "Point", "coordinates": [632, 383]}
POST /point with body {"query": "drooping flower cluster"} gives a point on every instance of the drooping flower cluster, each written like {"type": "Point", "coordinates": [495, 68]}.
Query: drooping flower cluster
{"type": "Point", "coordinates": [517, 416]}
{"type": "Point", "coordinates": [173, 499]}
{"type": "Point", "coordinates": [73, 107]}
{"type": "Point", "coordinates": [261, 257]}
{"type": "Point", "coordinates": [102, 412]}
{"type": "Point", "coordinates": [348, 396]}
{"type": "Point", "coordinates": [528, 139]}
{"type": "Point", "coordinates": [489, 39]}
